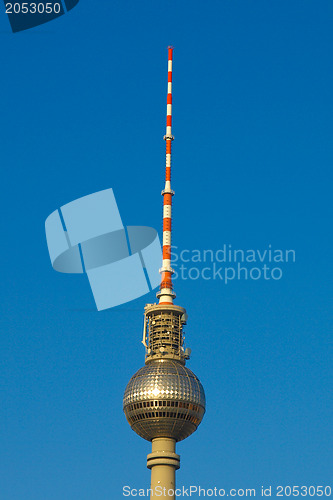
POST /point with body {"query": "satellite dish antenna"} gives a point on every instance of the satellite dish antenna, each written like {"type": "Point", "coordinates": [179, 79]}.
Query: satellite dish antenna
{"type": "Point", "coordinates": [188, 353]}
{"type": "Point", "coordinates": [183, 319]}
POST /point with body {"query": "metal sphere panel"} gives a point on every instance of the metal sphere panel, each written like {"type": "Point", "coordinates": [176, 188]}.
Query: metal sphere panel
{"type": "Point", "coordinates": [164, 399]}
{"type": "Point", "coordinates": [168, 379]}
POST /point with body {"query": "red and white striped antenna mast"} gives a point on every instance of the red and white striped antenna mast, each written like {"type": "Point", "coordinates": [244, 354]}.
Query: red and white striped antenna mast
{"type": "Point", "coordinates": [166, 293]}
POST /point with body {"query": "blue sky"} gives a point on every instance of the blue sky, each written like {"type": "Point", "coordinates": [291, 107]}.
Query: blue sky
{"type": "Point", "coordinates": [83, 109]}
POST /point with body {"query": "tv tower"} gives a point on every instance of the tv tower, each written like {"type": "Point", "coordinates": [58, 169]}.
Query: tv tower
{"type": "Point", "coordinates": [164, 402]}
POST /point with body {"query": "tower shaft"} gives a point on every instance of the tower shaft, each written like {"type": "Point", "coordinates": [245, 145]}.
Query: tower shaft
{"type": "Point", "coordinates": [166, 294]}
{"type": "Point", "coordinates": [163, 462]}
